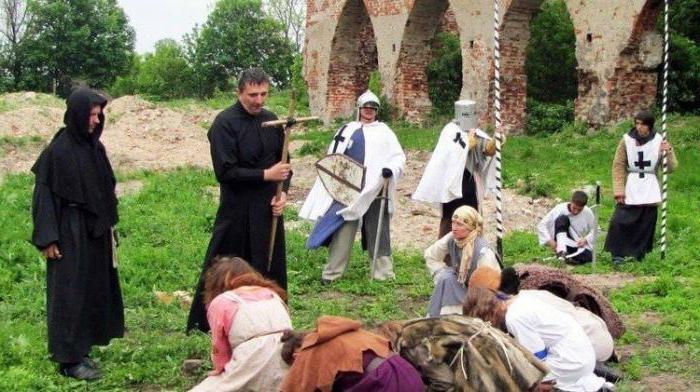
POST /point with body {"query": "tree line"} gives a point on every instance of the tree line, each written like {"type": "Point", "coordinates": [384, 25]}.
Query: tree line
{"type": "Point", "coordinates": [51, 45]}
{"type": "Point", "coordinates": [54, 45]}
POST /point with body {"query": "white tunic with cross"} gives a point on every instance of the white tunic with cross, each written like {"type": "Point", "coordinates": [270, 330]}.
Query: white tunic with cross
{"type": "Point", "coordinates": [442, 179]}
{"type": "Point", "coordinates": [642, 186]}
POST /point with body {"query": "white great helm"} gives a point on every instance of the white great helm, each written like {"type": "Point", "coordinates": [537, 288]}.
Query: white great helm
{"type": "Point", "coordinates": [367, 100]}
{"type": "Point", "coordinates": [465, 115]}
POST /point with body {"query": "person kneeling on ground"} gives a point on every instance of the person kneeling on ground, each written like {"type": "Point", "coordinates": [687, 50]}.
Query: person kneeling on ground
{"type": "Point", "coordinates": [549, 334]}
{"type": "Point", "coordinates": [568, 229]}
{"type": "Point", "coordinates": [464, 249]}
{"type": "Point", "coordinates": [341, 356]}
{"type": "Point", "coordinates": [247, 315]}
{"type": "Point", "coordinates": [594, 326]}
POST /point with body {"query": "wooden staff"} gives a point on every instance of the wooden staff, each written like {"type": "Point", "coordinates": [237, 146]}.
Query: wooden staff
{"type": "Point", "coordinates": [288, 124]}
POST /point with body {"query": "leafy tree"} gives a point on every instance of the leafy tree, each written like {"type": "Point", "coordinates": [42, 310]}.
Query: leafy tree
{"type": "Point", "coordinates": [298, 84]}
{"type": "Point", "coordinates": [552, 38]}
{"type": "Point", "coordinates": [14, 21]}
{"type": "Point", "coordinates": [445, 73]}
{"type": "Point", "coordinates": [238, 35]}
{"type": "Point", "coordinates": [128, 84]}
{"type": "Point", "coordinates": [77, 40]}
{"type": "Point", "coordinates": [684, 75]}
{"type": "Point", "coordinates": [165, 74]}
{"type": "Point", "coordinates": [292, 15]}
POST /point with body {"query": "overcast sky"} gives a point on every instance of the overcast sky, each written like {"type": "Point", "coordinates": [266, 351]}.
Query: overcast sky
{"type": "Point", "coordinates": [154, 20]}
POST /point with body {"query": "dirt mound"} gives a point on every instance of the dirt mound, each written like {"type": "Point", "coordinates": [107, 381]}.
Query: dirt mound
{"type": "Point", "coordinates": [141, 135]}
{"type": "Point", "coordinates": [39, 121]}
{"type": "Point", "coordinates": [18, 100]}
{"type": "Point", "coordinates": [138, 134]}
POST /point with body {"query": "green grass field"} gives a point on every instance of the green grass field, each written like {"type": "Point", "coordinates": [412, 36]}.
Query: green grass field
{"type": "Point", "coordinates": [165, 228]}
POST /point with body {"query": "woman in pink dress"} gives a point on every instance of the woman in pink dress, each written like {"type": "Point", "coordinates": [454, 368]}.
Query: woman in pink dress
{"type": "Point", "coordinates": [247, 315]}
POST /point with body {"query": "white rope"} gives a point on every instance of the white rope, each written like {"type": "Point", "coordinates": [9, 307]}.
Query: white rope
{"type": "Point", "coordinates": [498, 134]}
{"type": "Point", "coordinates": [664, 107]}
{"type": "Point", "coordinates": [460, 354]}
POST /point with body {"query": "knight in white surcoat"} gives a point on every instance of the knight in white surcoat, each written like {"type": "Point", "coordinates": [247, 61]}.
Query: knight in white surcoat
{"type": "Point", "coordinates": [636, 188]}
{"type": "Point", "coordinates": [374, 145]}
{"type": "Point", "coordinates": [460, 171]}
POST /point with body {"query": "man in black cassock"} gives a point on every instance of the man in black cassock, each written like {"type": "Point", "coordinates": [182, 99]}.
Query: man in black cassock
{"type": "Point", "coordinates": [247, 164]}
{"type": "Point", "coordinates": [74, 211]}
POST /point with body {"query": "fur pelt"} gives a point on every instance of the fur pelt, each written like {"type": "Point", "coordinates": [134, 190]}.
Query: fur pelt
{"type": "Point", "coordinates": [565, 285]}
{"type": "Point", "coordinates": [458, 353]}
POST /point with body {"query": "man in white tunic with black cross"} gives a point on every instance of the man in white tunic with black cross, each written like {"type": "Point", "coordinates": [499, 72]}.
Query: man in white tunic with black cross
{"type": "Point", "coordinates": [460, 171]}
{"type": "Point", "coordinates": [373, 144]}
{"type": "Point", "coordinates": [636, 188]}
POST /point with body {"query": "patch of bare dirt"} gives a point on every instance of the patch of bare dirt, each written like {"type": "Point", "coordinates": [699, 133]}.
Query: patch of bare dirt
{"type": "Point", "coordinates": [39, 121]}
{"type": "Point", "coordinates": [127, 188]}
{"type": "Point", "coordinates": [18, 159]}
{"type": "Point", "coordinates": [414, 224]}
{"type": "Point", "coordinates": [650, 318]}
{"type": "Point", "coordinates": [664, 382]}
{"type": "Point", "coordinates": [140, 135]}
{"type": "Point", "coordinates": [612, 281]}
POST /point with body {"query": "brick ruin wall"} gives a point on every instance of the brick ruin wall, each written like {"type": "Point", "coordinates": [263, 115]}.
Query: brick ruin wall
{"type": "Point", "coordinates": [618, 53]}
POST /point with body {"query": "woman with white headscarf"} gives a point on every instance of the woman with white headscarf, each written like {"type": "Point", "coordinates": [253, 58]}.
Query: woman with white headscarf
{"type": "Point", "coordinates": [453, 258]}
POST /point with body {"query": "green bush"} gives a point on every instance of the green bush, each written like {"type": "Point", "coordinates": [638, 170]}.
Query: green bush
{"type": "Point", "coordinates": [548, 118]}
{"type": "Point", "coordinates": [165, 74]}
{"type": "Point", "coordinates": [536, 186]}
{"type": "Point", "coordinates": [445, 73]}
{"type": "Point", "coordinates": [387, 112]}
{"type": "Point", "coordinates": [298, 82]}
{"type": "Point", "coordinates": [684, 73]}
{"type": "Point", "coordinates": [552, 41]}
{"type": "Point", "coordinates": [684, 76]}
{"type": "Point", "coordinates": [127, 84]}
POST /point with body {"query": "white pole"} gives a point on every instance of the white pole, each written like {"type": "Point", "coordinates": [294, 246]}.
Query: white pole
{"type": "Point", "coordinates": [497, 116]}
{"type": "Point", "coordinates": [664, 108]}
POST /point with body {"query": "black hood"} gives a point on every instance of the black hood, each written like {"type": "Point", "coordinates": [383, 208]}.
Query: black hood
{"type": "Point", "coordinates": [77, 116]}
{"type": "Point", "coordinates": [639, 138]}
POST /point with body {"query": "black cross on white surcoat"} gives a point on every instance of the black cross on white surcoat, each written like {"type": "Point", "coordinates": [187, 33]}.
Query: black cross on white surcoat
{"type": "Point", "coordinates": [339, 138]}
{"type": "Point", "coordinates": [458, 139]}
{"type": "Point", "coordinates": [641, 163]}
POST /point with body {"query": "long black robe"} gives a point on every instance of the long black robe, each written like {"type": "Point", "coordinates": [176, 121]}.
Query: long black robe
{"type": "Point", "coordinates": [241, 150]}
{"type": "Point", "coordinates": [75, 206]}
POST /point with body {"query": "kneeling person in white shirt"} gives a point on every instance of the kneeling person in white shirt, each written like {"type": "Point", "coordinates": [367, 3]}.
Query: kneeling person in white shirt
{"type": "Point", "coordinates": [568, 230]}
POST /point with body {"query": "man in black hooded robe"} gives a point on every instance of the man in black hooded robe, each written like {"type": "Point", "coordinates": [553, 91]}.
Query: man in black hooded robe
{"type": "Point", "coordinates": [247, 164]}
{"type": "Point", "coordinates": [74, 210]}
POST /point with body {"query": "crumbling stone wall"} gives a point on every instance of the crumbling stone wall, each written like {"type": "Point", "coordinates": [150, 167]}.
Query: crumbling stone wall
{"type": "Point", "coordinates": [616, 49]}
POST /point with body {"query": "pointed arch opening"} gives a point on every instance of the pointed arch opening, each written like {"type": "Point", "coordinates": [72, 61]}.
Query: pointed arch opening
{"type": "Point", "coordinates": [539, 67]}
{"type": "Point", "coordinates": [353, 57]}
{"type": "Point", "coordinates": [411, 94]}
